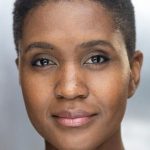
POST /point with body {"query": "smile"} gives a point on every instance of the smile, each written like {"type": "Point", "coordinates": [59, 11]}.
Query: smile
{"type": "Point", "coordinates": [73, 118]}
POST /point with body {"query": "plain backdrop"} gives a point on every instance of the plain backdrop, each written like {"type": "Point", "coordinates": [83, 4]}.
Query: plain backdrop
{"type": "Point", "coordinates": [16, 131]}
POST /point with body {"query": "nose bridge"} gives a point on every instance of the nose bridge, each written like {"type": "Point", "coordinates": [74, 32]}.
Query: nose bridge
{"type": "Point", "coordinates": [70, 84]}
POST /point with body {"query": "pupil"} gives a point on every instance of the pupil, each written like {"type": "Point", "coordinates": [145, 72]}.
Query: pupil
{"type": "Point", "coordinates": [44, 61]}
{"type": "Point", "coordinates": [96, 59]}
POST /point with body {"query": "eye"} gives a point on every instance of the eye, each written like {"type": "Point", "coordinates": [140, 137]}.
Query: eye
{"type": "Point", "coordinates": [43, 62]}
{"type": "Point", "coordinates": [97, 59]}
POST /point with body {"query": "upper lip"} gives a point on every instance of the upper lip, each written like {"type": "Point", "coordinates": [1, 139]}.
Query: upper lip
{"type": "Point", "coordinates": [72, 114]}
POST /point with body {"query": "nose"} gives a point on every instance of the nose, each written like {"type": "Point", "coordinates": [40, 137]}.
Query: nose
{"type": "Point", "coordinates": [70, 84]}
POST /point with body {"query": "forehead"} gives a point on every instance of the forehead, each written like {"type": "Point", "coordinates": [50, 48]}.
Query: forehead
{"type": "Point", "coordinates": [75, 21]}
{"type": "Point", "coordinates": [68, 15]}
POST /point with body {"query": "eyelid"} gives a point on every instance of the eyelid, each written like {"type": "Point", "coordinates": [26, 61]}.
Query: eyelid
{"type": "Point", "coordinates": [48, 57]}
{"type": "Point", "coordinates": [95, 53]}
{"type": "Point", "coordinates": [40, 59]}
{"type": "Point", "coordinates": [97, 60]}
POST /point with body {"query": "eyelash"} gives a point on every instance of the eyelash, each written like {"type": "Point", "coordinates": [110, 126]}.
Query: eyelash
{"type": "Point", "coordinates": [42, 62]}
{"type": "Point", "coordinates": [93, 60]}
{"type": "Point", "coordinates": [97, 59]}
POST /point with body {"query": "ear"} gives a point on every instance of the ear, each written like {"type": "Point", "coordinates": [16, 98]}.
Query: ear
{"type": "Point", "coordinates": [17, 62]}
{"type": "Point", "coordinates": [136, 64]}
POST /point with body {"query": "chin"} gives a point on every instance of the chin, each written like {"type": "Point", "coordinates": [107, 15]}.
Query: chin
{"type": "Point", "coordinates": [72, 146]}
{"type": "Point", "coordinates": [75, 142]}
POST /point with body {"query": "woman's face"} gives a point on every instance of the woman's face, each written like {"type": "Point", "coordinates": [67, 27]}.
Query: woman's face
{"type": "Point", "coordinates": [74, 74]}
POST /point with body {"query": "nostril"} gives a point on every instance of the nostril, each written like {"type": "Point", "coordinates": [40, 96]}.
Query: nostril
{"type": "Point", "coordinates": [58, 96]}
{"type": "Point", "coordinates": [71, 90]}
{"type": "Point", "coordinates": [82, 96]}
{"type": "Point", "coordinates": [71, 96]}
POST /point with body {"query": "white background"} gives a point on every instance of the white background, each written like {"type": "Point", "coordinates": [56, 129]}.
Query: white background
{"type": "Point", "coordinates": [16, 132]}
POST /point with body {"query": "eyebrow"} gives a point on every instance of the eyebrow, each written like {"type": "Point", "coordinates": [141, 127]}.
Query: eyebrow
{"type": "Point", "coordinates": [96, 43]}
{"type": "Point", "coordinates": [40, 45]}
{"type": "Point", "coordinates": [89, 44]}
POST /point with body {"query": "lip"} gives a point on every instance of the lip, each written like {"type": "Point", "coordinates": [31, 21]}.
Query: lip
{"type": "Point", "coordinates": [73, 118]}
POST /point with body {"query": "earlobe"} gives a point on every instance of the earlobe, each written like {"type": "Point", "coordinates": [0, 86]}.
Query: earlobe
{"type": "Point", "coordinates": [132, 86]}
{"type": "Point", "coordinates": [17, 62]}
{"type": "Point", "coordinates": [136, 65]}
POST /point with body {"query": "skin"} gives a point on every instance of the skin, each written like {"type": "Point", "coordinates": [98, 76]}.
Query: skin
{"type": "Point", "coordinates": [70, 80]}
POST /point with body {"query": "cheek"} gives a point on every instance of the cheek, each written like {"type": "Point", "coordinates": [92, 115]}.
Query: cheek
{"type": "Point", "coordinates": [110, 90]}
{"type": "Point", "coordinates": [37, 93]}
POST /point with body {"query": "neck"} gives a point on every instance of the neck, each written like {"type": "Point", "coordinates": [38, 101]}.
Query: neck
{"type": "Point", "coordinates": [113, 143]}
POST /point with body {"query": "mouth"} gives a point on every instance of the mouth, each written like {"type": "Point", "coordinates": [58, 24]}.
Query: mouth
{"type": "Point", "coordinates": [73, 118]}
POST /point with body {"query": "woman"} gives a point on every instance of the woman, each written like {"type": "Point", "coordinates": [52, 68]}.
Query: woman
{"type": "Point", "coordinates": [78, 66]}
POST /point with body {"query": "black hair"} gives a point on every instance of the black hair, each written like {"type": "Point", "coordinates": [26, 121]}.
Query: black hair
{"type": "Point", "coordinates": [122, 12]}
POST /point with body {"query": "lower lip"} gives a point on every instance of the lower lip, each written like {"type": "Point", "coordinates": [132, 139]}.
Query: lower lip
{"type": "Point", "coordinates": [73, 122]}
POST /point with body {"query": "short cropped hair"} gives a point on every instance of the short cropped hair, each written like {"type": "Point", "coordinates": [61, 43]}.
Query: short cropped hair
{"type": "Point", "coordinates": [122, 12]}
